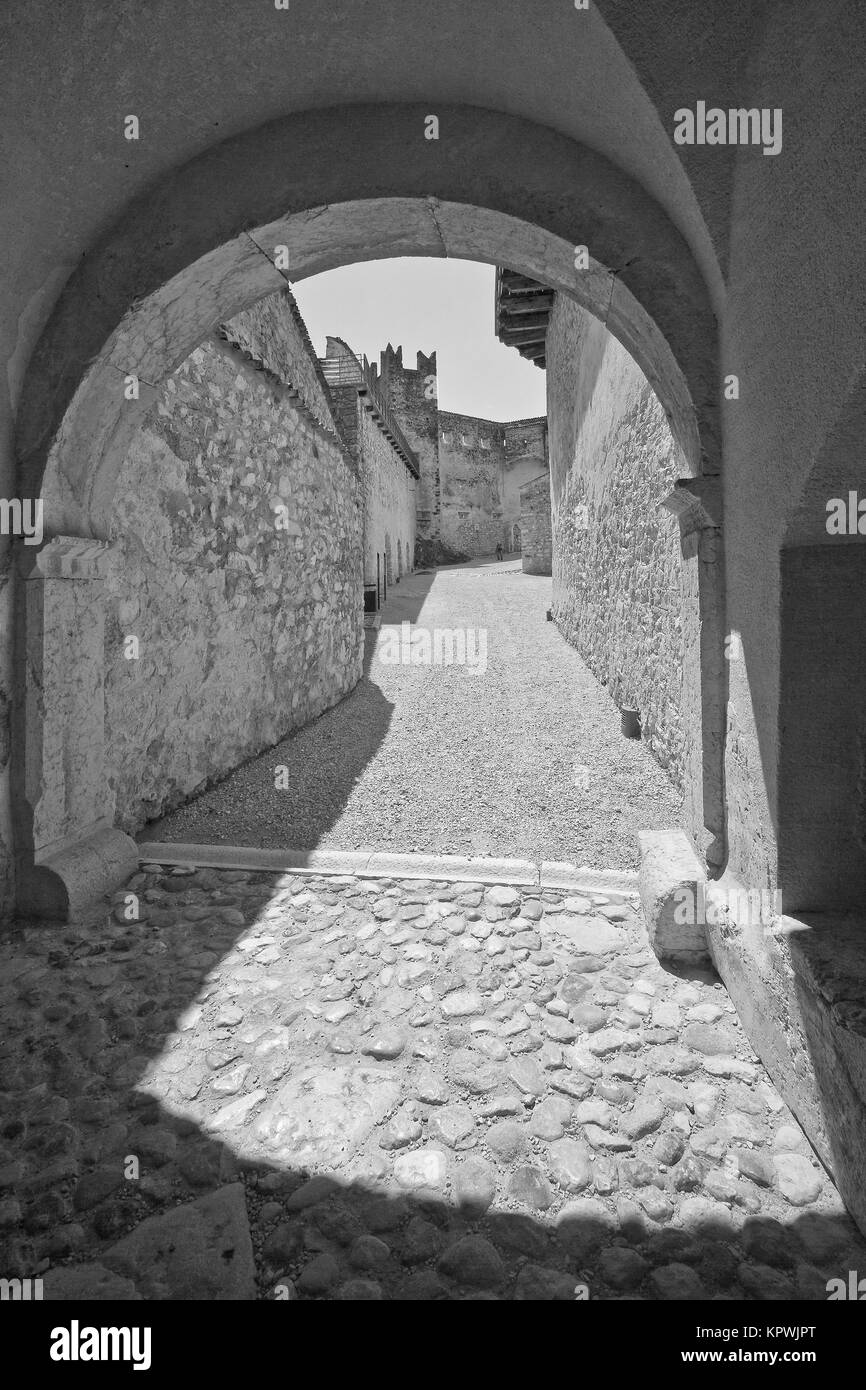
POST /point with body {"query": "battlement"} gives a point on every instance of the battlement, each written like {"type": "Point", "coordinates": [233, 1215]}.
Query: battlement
{"type": "Point", "coordinates": [392, 357]}
{"type": "Point", "coordinates": [391, 362]}
{"type": "Point", "coordinates": [349, 376]}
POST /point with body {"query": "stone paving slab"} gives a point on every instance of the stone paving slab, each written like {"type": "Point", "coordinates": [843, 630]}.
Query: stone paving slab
{"type": "Point", "coordinates": [382, 1088]}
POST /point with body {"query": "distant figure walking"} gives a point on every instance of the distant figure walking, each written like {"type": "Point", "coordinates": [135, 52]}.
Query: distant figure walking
{"type": "Point", "coordinates": [499, 550]}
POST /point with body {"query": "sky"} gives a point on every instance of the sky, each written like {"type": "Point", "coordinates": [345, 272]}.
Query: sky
{"type": "Point", "coordinates": [445, 306]}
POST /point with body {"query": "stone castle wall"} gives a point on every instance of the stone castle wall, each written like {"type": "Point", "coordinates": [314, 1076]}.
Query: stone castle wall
{"type": "Point", "coordinates": [468, 494]}
{"type": "Point", "coordinates": [389, 491]}
{"type": "Point", "coordinates": [617, 567]}
{"type": "Point", "coordinates": [525, 458]}
{"type": "Point", "coordinates": [471, 466]}
{"type": "Point", "coordinates": [412, 392]}
{"type": "Point", "coordinates": [247, 628]}
{"type": "Point", "coordinates": [273, 332]}
{"type": "Point", "coordinates": [390, 488]}
{"type": "Point", "coordinates": [535, 526]}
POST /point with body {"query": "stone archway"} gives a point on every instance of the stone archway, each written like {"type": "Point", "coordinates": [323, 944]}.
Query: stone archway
{"type": "Point", "coordinates": [143, 300]}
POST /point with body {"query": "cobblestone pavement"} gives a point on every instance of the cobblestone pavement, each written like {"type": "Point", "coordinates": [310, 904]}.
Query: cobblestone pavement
{"type": "Point", "coordinates": [344, 1088]}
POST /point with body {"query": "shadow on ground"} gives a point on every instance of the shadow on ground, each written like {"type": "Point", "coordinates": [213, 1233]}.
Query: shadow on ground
{"type": "Point", "coordinates": [113, 1192]}
{"type": "Point", "coordinates": [325, 759]}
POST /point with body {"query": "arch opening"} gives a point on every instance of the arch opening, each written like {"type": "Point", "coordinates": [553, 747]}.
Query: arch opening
{"type": "Point", "coordinates": [315, 191]}
{"type": "Point", "coordinates": [150, 299]}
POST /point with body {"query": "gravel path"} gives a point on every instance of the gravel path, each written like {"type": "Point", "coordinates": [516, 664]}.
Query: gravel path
{"type": "Point", "coordinates": [454, 759]}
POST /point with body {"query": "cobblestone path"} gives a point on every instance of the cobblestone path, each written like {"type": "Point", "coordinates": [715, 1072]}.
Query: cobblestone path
{"type": "Point", "coordinates": [341, 1088]}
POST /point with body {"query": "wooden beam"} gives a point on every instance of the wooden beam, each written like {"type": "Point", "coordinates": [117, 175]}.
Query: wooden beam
{"type": "Point", "coordinates": [510, 321]}
{"type": "Point", "coordinates": [513, 282]}
{"type": "Point", "coordinates": [528, 335]}
{"type": "Point", "coordinates": [525, 304]}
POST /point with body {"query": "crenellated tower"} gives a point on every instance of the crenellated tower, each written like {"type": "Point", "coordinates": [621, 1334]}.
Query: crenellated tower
{"type": "Point", "coordinates": [413, 393]}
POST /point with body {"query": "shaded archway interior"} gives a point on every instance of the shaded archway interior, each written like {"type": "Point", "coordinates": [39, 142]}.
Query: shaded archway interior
{"type": "Point", "coordinates": [332, 187]}
{"type": "Point", "coordinates": [188, 244]}
{"type": "Point", "coordinates": [152, 295]}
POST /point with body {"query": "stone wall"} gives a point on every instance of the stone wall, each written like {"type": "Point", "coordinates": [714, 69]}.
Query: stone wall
{"type": "Point", "coordinates": [389, 501]}
{"type": "Point", "coordinates": [238, 525]}
{"type": "Point", "coordinates": [617, 566]}
{"type": "Point", "coordinates": [471, 467]}
{"type": "Point", "coordinates": [525, 458]}
{"type": "Point", "coordinates": [413, 393]}
{"type": "Point", "coordinates": [390, 487]}
{"type": "Point", "coordinates": [468, 495]}
{"type": "Point", "coordinates": [535, 526]}
{"type": "Point", "coordinates": [273, 333]}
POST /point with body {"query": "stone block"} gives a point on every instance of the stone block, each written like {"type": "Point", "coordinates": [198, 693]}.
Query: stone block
{"type": "Point", "coordinates": [201, 1250]}
{"type": "Point", "coordinates": [63, 885]}
{"type": "Point", "coordinates": [672, 887]}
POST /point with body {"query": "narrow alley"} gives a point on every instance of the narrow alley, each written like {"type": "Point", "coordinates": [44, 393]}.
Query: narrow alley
{"type": "Point", "coordinates": [521, 755]}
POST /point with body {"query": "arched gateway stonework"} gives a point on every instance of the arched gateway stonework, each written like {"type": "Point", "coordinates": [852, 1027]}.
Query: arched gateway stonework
{"type": "Point", "coordinates": [77, 842]}
{"type": "Point", "coordinates": [701, 261]}
{"type": "Point", "coordinates": [156, 305]}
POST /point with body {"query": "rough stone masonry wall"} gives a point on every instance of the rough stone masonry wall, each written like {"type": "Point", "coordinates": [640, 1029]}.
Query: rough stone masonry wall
{"type": "Point", "coordinates": [616, 567]}
{"type": "Point", "coordinates": [246, 631]}
{"type": "Point", "coordinates": [412, 392]}
{"type": "Point", "coordinates": [535, 526]}
{"type": "Point", "coordinates": [525, 458]}
{"type": "Point", "coordinates": [472, 516]}
{"type": "Point", "coordinates": [273, 331]}
{"type": "Point", "coordinates": [389, 499]}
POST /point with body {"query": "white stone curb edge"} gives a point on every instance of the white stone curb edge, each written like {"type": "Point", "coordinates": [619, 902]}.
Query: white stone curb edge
{"type": "Point", "coordinates": [453, 868]}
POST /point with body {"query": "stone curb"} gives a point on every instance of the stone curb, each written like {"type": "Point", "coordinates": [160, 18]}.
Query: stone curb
{"type": "Point", "coordinates": [613, 881]}
{"type": "Point", "coordinates": [453, 868]}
